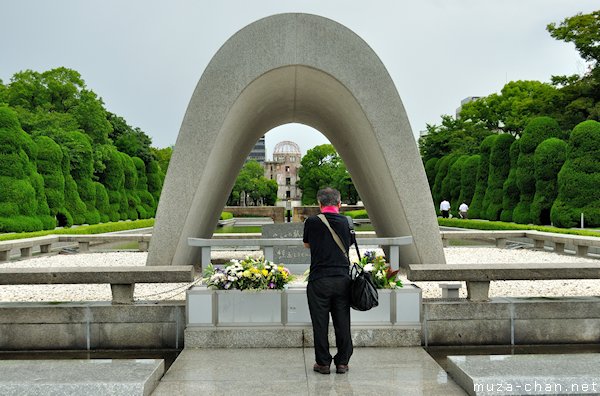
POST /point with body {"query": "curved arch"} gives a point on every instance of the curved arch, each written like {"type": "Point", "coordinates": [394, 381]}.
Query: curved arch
{"type": "Point", "coordinates": [305, 69]}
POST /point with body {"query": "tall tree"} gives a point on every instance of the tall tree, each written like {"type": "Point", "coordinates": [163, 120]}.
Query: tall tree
{"type": "Point", "coordinates": [458, 136]}
{"type": "Point", "coordinates": [319, 167]}
{"type": "Point", "coordinates": [583, 30]}
{"type": "Point", "coordinates": [511, 110]}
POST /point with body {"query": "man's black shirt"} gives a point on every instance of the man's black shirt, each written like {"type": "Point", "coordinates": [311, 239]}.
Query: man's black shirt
{"type": "Point", "coordinates": [326, 258]}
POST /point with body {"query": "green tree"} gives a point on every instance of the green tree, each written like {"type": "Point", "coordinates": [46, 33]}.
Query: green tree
{"type": "Point", "coordinates": [548, 159]}
{"type": "Point", "coordinates": [510, 189]}
{"type": "Point", "coordinates": [511, 110]}
{"type": "Point", "coordinates": [91, 116]}
{"type": "Point", "coordinates": [458, 136]}
{"type": "Point", "coordinates": [256, 187]}
{"type": "Point", "coordinates": [441, 171]}
{"type": "Point", "coordinates": [538, 130]}
{"type": "Point", "coordinates": [451, 186]}
{"type": "Point", "coordinates": [23, 205]}
{"type": "Point", "coordinates": [579, 178]}
{"type": "Point", "coordinates": [583, 30]}
{"type": "Point", "coordinates": [49, 165]}
{"type": "Point", "coordinates": [580, 94]}
{"type": "Point", "coordinates": [319, 167]}
{"type": "Point", "coordinates": [498, 172]}
{"type": "Point", "coordinates": [131, 141]}
{"type": "Point", "coordinates": [468, 179]}
{"type": "Point", "coordinates": [147, 206]}
{"type": "Point", "coordinates": [163, 156]}
{"type": "Point", "coordinates": [430, 171]}
{"type": "Point", "coordinates": [113, 179]}
{"type": "Point", "coordinates": [477, 210]}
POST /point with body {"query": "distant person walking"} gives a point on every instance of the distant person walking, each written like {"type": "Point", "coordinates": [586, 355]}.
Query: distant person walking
{"type": "Point", "coordinates": [445, 209]}
{"type": "Point", "coordinates": [462, 210]}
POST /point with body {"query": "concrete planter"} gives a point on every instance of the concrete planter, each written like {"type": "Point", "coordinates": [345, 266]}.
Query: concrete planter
{"type": "Point", "coordinates": [407, 305]}
{"type": "Point", "coordinates": [248, 307]}
{"type": "Point", "coordinates": [381, 314]}
{"type": "Point", "coordinates": [206, 307]}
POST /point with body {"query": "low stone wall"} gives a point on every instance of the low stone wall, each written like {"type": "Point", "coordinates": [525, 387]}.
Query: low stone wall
{"type": "Point", "coordinates": [277, 213]}
{"type": "Point", "coordinates": [302, 212]}
{"type": "Point", "coordinates": [91, 326]}
{"type": "Point", "coordinates": [512, 321]}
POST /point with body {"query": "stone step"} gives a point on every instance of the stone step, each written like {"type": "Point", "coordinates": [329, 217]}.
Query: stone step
{"type": "Point", "coordinates": [80, 377]}
{"type": "Point", "coordinates": [296, 336]}
{"type": "Point", "coordinates": [540, 374]}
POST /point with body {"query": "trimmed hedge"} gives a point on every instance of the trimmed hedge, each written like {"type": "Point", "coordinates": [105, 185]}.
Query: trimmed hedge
{"type": "Point", "coordinates": [430, 171]}
{"type": "Point", "coordinates": [357, 214]}
{"type": "Point", "coordinates": [156, 178]}
{"type": "Point", "coordinates": [468, 179]}
{"type": "Point", "coordinates": [476, 209]}
{"type": "Point", "coordinates": [92, 229]}
{"type": "Point", "coordinates": [441, 171]}
{"type": "Point", "coordinates": [510, 189]}
{"type": "Point", "coordinates": [579, 179]}
{"type": "Point", "coordinates": [113, 179]}
{"type": "Point", "coordinates": [130, 183]}
{"type": "Point", "coordinates": [497, 225]}
{"type": "Point", "coordinates": [451, 185]}
{"type": "Point", "coordinates": [226, 215]}
{"type": "Point", "coordinates": [50, 158]}
{"type": "Point", "coordinates": [498, 172]}
{"type": "Point", "coordinates": [147, 206]}
{"type": "Point", "coordinates": [23, 202]}
{"type": "Point", "coordinates": [548, 158]}
{"type": "Point", "coordinates": [536, 131]}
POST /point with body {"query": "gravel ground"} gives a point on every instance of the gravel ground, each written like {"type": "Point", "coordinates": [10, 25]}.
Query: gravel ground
{"type": "Point", "coordinates": [175, 291]}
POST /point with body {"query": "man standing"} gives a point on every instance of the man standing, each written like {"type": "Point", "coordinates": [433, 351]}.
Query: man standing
{"type": "Point", "coordinates": [445, 209]}
{"type": "Point", "coordinates": [329, 282]}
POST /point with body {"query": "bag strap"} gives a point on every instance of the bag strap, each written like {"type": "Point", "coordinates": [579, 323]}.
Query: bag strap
{"type": "Point", "coordinates": [335, 236]}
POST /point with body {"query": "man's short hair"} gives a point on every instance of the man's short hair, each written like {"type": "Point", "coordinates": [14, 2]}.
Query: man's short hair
{"type": "Point", "coordinates": [329, 196]}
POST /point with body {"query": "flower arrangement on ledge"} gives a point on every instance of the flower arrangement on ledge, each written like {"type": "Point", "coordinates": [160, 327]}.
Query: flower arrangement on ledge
{"type": "Point", "coordinates": [381, 273]}
{"type": "Point", "coordinates": [248, 274]}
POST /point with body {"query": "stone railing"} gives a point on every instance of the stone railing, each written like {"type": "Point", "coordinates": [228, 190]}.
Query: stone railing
{"type": "Point", "coordinates": [268, 244]}
{"type": "Point", "coordinates": [580, 243]}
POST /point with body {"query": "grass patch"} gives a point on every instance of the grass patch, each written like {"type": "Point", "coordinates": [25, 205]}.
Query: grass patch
{"type": "Point", "coordinates": [501, 226]}
{"type": "Point", "coordinates": [238, 230]}
{"type": "Point", "coordinates": [91, 229]}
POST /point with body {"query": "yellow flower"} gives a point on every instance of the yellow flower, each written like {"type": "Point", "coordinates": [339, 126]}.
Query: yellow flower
{"type": "Point", "coordinates": [254, 270]}
{"type": "Point", "coordinates": [247, 274]}
{"type": "Point", "coordinates": [265, 272]}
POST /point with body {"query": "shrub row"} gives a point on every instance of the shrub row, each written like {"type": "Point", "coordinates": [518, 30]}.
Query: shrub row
{"type": "Point", "coordinates": [539, 178]}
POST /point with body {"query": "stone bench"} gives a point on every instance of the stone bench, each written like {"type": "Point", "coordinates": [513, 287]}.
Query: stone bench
{"type": "Point", "coordinates": [26, 246]}
{"type": "Point", "coordinates": [122, 279]}
{"type": "Point", "coordinates": [45, 243]}
{"type": "Point", "coordinates": [581, 243]}
{"type": "Point", "coordinates": [84, 241]}
{"type": "Point", "coordinates": [499, 236]}
{"type": "Point", "coordinates": [478, 276]}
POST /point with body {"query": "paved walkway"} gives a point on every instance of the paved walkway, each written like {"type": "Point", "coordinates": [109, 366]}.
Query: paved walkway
{"type": "Point", "coordinates": [288, 371]}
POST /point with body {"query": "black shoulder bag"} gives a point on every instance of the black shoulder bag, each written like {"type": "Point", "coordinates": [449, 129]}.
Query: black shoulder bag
{"type": "Point", "coordinates": [364, 293]}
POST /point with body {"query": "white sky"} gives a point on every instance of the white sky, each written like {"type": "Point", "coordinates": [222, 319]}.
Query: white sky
{"type": "Point", "coordinates": [145, 57]}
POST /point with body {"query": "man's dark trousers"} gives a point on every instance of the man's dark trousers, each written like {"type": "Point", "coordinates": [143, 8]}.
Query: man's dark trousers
{"type": "Point", "coordinates": [330, 294]}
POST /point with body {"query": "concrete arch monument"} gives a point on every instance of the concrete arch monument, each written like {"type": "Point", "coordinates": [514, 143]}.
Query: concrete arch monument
{"type": "Point", "coordinates": [305, 69]}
